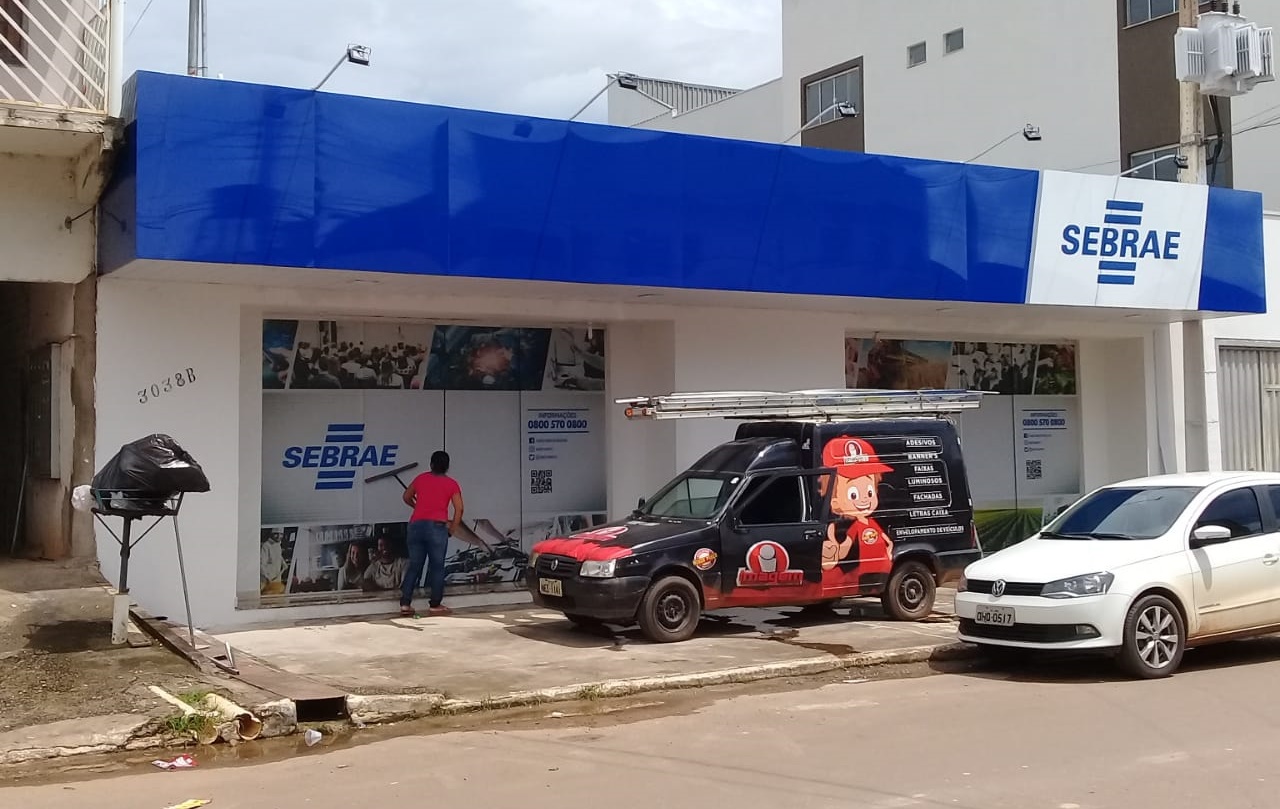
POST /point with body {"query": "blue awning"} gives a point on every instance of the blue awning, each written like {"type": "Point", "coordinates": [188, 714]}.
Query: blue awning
{"type": "Point", "coordinates": [227, 173]}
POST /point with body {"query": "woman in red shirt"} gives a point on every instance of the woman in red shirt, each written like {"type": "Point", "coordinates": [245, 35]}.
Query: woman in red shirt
{"type": "Point", "coordinates": [431, 495]}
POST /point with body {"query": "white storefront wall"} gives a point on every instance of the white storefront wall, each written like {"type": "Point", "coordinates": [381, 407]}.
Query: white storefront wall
{"type": "Point", "coordinates": [150, 331]}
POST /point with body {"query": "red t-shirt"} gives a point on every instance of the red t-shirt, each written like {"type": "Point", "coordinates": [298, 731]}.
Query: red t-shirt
{"type": "Point", "coordinates": [433, 493]}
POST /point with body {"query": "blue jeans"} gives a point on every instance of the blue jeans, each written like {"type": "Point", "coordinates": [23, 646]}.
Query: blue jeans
{"type": "Point", "coordinates": [428, 542]}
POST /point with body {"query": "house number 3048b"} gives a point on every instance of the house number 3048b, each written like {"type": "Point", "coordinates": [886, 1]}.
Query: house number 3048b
{"type": "Point", "coordinates": [167, 385]}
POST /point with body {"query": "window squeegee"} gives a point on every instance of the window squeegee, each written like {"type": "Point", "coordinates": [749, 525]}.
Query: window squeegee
{"type": "Point", "coordinates": [394, 473]}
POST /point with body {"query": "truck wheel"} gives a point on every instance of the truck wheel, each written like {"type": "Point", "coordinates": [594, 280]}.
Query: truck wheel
{"type": "Point", "coordinates": [1154, 638]}
{"type": "Point", "coordinates": [910, 592]}
{"type": "Point", "coordinates": [670, 610]}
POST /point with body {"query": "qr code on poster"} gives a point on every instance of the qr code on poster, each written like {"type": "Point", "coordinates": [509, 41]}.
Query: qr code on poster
{"type": "Point", "coordinates": [1035, 469]}
{"type": "Point", "coordinates": [540, 481]}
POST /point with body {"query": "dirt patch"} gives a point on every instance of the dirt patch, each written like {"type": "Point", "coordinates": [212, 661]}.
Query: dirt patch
{"type": "Point", "coordinates": [38, 687]}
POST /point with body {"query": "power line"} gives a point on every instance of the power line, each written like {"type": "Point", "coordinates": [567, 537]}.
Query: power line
{"type": "Point", "coordinates": [996, 146]}
{"type": "Point", "coordinates": [138, 21]}
{"type": "Point", "coordinates": [1267, 124]}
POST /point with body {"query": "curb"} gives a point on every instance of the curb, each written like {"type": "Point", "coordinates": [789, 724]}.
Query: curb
{"type": "Point", "coordinates": [281, 720]}
{"type": "Point", "coordinates": [384, 709]}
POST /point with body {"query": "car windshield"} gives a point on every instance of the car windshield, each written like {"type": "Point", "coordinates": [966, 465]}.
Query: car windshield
{"type": "Point", "coordinates": [692, 496]}
{"type": "Point", "coordinates": [1123, 513]}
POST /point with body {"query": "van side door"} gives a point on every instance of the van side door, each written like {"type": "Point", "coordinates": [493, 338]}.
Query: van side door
{"type": "Point", "coordinates": [771, 542]}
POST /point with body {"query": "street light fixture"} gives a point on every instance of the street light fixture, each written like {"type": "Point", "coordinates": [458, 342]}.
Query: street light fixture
{"type": "Point", "coordinates": [1180, 160]}
{"type": "Point", "coordinates": [1030, 132]}
{"type": "Point", "coordinates": [356, 55]}
{"type": "Point", "coordinates": [842, 109]}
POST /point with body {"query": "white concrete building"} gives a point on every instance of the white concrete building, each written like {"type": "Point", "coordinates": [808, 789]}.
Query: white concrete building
{"type": "Point", "coordinates": [958, 80]}
{"type": "Point", "coordinates": [59, 83]}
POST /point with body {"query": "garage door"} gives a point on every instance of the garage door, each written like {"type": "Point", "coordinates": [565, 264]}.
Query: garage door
{"type": "Point", "coordinates": [1249, 397]}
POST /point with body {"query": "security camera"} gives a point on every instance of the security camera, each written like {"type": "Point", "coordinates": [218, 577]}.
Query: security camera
{"type": "Point", "coordinates": [1181, 161]}
{"type": "Point", "coordinates": [1031, 132]}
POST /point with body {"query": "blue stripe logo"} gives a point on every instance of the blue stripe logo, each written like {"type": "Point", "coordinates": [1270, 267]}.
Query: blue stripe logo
{"type": "Point", "coordinates": [340, 458]}
{"type": "Point", "coordinates": [1121, 242]}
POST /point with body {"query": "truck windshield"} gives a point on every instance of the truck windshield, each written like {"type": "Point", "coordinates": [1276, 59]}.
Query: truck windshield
{"type": "Point", "coordinates": [1123, 513]}
{"type": "Point", "coordinates": [692, 496]}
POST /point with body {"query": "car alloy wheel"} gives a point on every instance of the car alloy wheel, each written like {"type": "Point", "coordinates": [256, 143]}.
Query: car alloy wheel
{"type": "Point", "coordinates": [1154, 638]}
{"type": "Point", "coordinates": [1157, 636]}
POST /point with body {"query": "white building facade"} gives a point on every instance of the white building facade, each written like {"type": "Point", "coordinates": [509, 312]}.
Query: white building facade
{"type": "Point", "coordinates": [311, 293]}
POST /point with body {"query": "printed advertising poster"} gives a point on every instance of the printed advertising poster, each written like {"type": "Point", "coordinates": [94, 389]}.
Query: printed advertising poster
{"type": "Point", "coordinates": [1022, 448]}
{"type": "Point", "coordinates": [353, 411]}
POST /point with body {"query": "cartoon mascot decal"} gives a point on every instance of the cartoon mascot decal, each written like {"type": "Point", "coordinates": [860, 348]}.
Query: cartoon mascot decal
{"type": "Point", "coordinates": [857, 551]}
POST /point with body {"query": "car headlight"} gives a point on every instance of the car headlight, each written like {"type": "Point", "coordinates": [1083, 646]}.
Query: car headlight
{"type": "Point", "coordinates": [1092, 584]}
{"type": "Point", "coordinates": [963, 586]}
{"type": "Point", "coordinates": [598, 570]}
{"type": "Point", "coordinates": [533, 560]}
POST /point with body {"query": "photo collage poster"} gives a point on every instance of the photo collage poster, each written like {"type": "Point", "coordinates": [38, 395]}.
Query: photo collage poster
{"type": "Point", "coordinates": [1023, 447]}
{"type": "Point", "coordinates": [351, 413]}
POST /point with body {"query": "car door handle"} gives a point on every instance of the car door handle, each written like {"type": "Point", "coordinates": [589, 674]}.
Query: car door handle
{"type": "Point", "coordinates": [816, 534]}
{"type": "Point", "coordinates": [1270, 559]}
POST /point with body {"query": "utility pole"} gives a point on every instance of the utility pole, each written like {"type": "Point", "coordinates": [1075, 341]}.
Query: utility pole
{"type": "Point", "coordinates": [196, 39]}
{"type": "Point", "coordinates": [1191, 104]}
{"type": "Point", "coordinates": [1192, 408]}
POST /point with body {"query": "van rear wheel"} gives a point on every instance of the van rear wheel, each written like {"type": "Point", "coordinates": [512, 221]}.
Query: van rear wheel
{"type": "Point", "coordinates": [910, 593]}
{"type": "Point", "coordinates": [670, 610]}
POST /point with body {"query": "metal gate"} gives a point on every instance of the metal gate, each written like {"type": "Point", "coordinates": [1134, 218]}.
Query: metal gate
{"type": "Point", "coordinates": [1249, 403]}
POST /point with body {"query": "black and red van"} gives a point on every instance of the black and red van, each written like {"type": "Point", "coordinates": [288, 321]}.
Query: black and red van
{"type": "Point", "coordinates": [794, 511]}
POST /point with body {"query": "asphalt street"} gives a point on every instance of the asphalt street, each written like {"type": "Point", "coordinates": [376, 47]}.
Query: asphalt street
{"type": "Point", "coordinates": [1061, 735]}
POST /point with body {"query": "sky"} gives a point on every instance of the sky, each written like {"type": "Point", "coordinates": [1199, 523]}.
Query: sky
{"type": "Point", "coordinates": [530, 57]}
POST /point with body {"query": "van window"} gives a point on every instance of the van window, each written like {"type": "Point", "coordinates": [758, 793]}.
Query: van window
{"type": "Point", "coordinates": [692, 496]}
{"type": "Point", "coordinates": [780, 501]}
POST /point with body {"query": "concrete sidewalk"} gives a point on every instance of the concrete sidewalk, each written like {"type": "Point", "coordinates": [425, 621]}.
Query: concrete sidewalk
{"type": "Point", "coordinates": [503, 657]}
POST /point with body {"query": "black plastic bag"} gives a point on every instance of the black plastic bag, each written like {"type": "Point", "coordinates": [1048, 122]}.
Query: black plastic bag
{"type": "Point", "coordinates": [152, 467]}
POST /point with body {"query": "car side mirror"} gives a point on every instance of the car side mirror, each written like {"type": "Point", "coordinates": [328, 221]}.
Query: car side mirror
{"type": "Point", "coordinates": [641, 504]}
{"type": "Point", "coordinates": [1206, 535]}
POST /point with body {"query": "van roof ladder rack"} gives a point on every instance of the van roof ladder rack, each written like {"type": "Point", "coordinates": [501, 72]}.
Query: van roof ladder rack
{"type": "Point", "coordinates": [809, 404]}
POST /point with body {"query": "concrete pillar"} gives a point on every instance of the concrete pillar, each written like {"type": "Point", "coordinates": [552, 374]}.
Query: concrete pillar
{"type": "Point", "coordinates": [1196, 388]}
{"type": "Point", "coordinates": [642, 455]}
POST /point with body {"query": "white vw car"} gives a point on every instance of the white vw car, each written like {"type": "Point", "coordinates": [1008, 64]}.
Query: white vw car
{"type": "Point", "coordinates": [1142, 569]}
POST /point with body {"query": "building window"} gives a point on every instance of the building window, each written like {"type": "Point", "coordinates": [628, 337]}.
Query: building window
{"type": "Point", "coordinates": [1166, 169]}
{"type": "Point", "coordinates": [821, 97]}
{"type": "Point", "coordinates": [953, 40]}
{"type": "Point", "coordinates": [917, 53]}
{"type": "Point", "coordinates": [1141, 11]}
{"type": "Point", "coordinates": [13, 46]}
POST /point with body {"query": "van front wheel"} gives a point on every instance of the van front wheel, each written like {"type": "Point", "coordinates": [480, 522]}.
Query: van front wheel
{"type": "Point", "coordinates": [670, 610]}
{"type": "Point", "coordinates": [910, 593]}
